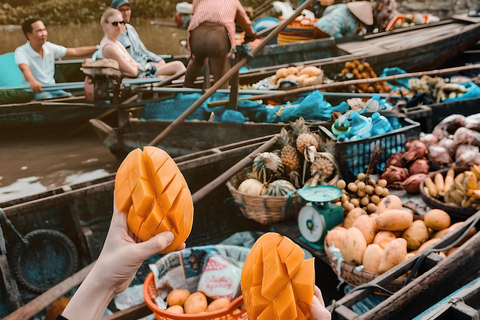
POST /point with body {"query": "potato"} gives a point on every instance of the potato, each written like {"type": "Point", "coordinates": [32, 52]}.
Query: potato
{"type": "Point", "coordinates": [352, 216]}
{"type": "Point", "coordinates": [394, 220]}
{"type": "Point", "coordinates": [177, 297]}
{"type": "Point", "coordinates": [437, 219]}
{"type": "Point", "coordinates": [382, 238]}
{"type": "Point", "coordinates": [218, 304]}
{"type": "Point", "coordinates": [371, 258]}
{"type": "Point", "coordinates": [388, 203]}
{"type": "Point", "coordinates": [175, 309]}
{"type": "Point", "coordinates": [367, 227]}
{"type": "Point", "coordinates": [353, 246]}
{"type": "Point", "coordinates": [394, 254]}
{"type": "Point", "coordinates": [195, 303]}
{"type": "Point", "coordinates": [428, 243]}
{"type": "Point", "coordinates": [335, 237]}
{"type": "Point", "coordinates": [416, 235]}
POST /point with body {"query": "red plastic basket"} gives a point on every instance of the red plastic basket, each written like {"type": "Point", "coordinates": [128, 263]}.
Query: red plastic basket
{"type": "Point", "coordinates": [230, 312]}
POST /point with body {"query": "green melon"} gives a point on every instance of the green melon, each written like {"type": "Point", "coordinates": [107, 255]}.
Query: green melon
{"type": "Point", "coordinates": [267, 165]}
{"type": "Point", "coordinates": [280, 188]}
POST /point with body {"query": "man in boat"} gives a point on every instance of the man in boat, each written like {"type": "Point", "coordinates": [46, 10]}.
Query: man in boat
{"type": "Point", "coordinates": [36, 58]}
{"type": "Point", "coordinates": [135, 47]}
{"type": "Point", "coordinates": [343, 20]}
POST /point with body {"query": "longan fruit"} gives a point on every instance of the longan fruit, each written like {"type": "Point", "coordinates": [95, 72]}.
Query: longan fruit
{"type": "Point", "coordinates": [355, 202]}
{"type": "Point", "coordinates": [341, 184]}
{"type": "Point", "coordinates": [369, 189]}
{"type": "Point", "coordinates": [352, 187]}
{"type": "Point", "coordinates": [361, 185]}
{"type": "Point", "coordinates": [375, 199]}
{"type": "Point", "coordinates": [365, 201]}
{"type": "Point", "coordinates": [382, 183]}
{"type": "Point", "coordinates": [371, 208]}
{"type": "Point", "coordinates": [361, 193]}
{"type": "Point", "coordinates": [361, 176]}
{"type": "Point", "coordinates": [385, 192]}
{"type": "Point", "coordinates": [378, 190]}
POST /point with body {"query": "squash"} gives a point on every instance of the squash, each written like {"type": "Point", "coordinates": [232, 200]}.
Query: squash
{"type": "Point", "coordinates": [266, 166]}
{"type": "Point", "coordinates": [280, 188]}
{"type": "Point", "coordinates": [353, 246]}
{"type": "Point", "coordinates": [252, 187]}
{"type": "Point", "coordinates": [151, 189]}
{"type": "Point", "coordinates": [388, 203]}
{"type": "Point", "coordinates": [276, 282]}
{"type": "Point", "coordinates": [195, 303]}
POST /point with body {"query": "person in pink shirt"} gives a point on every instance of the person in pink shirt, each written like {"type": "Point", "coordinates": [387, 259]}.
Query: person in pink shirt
{"type": "Point", "coordinates": [211, 34]}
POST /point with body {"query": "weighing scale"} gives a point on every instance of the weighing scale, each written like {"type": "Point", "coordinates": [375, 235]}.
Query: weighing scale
{"type": "Point", "coordinates": [319, 215]}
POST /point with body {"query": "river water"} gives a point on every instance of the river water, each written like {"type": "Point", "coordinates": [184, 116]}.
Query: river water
{"type": "Point", "coordinates": [34, 163]}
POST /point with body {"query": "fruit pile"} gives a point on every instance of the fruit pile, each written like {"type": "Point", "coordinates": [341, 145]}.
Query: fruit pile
{"type": "Point", "coordinates": [365, 193]}
{"type": "Point", "coordinates": [180, 301]}
{"type": "Point", "coordinates": [305, 76]}
{"type": "Point", "coordinates": [462, 190]}
{"type": "Point", "coordinates": [356, 70]}
{"type": "Point", "coordinates": [386, 238]}
{"type": "Point", "coordinates": [303, 160]}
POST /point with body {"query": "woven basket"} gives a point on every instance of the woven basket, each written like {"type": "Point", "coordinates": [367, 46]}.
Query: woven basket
{"type": "Point", "coordinates": [355, 277]}
{"type": "Point", "coordinates": [263, 209]}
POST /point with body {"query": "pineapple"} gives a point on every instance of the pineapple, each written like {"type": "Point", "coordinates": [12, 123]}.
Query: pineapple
{"type": "Point", "coordinates": [323, 166]}
{"type": "Point", "coordinates": [289, 155]}
{"type": "Point", "coordinates": [306, 140]}
{"type": "Point", "coordinates": [291, 158]}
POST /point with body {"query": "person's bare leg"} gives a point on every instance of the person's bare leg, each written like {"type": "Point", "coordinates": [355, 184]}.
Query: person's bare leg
{"type": "Point", "coordinates": [170, 68]}
{"type": "Point", "coordinates": [193, 70]}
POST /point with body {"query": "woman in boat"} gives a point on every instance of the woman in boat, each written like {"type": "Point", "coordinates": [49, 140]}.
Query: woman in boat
{"type": "Point", "coordinates": [211, 34]}
{"type": "Point", "coordinates": [343, 20]}
{"type": "Point", "coordinates": [117, 265]}
{"type": "Point", "coordinates": [113, 25]}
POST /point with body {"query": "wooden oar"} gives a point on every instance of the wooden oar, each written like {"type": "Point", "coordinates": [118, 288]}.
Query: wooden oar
{"type": "Point", "coordinates": [226, 77]}
{"type": "Point", "coordinates": [349, 82]}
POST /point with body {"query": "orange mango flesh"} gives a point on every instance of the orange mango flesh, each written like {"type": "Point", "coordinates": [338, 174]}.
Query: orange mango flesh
{"type": "Point", "coordinates": [277, 284]}
{"type": "Point", "coordinates": [152, 190]}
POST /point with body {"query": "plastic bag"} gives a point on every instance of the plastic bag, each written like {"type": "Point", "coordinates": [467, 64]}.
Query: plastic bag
{"type": "Point", "coordinates": [220, 278]}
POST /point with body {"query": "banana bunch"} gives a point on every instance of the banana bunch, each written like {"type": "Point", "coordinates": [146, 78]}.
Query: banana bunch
{"type": "Point", "coordinates": [462, 190]}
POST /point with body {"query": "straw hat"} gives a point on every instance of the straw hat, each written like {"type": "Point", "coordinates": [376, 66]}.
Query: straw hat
{"type": "Point", "coordinates": [362, 10]}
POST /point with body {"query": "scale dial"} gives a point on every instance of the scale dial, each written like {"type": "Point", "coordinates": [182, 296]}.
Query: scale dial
{"type": "Point", "coordinates": [311, 223]}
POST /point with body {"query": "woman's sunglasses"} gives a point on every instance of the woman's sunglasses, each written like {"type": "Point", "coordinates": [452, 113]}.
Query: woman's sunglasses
{"type": "Point", "coordinates": [115, 23]}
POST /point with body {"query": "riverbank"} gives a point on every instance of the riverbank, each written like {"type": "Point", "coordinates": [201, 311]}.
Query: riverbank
{"type": "Point", "coordinates": [61, 12]}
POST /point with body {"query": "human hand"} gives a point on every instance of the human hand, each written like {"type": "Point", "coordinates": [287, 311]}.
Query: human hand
{"type": "Point", "coordinates": [123, 253]}
{"type": "Point", "coordinates": [36, 86]}
{"type": "Point", "coordinates": [250, 38]}
{"type": "Point", "coordinates": [318, 310]}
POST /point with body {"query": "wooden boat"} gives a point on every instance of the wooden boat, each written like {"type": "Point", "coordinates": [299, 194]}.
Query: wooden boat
{"type": "Point", "coordinates": [83, 211]}
{"type": "Point", "coordinates": [436, 279]}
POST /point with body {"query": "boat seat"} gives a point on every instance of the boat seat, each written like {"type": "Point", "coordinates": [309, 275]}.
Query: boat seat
{"type": "Point", "coordinates": [11, 75]}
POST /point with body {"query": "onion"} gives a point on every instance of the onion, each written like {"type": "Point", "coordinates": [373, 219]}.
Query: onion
{"type": "Point", "coordinates": [395, 160]}
{"type": "Point", "coordinates": [416, 150]}
{"type": "Point", "coordinates": [419, 166]}
{"type": "Point", "coordinates": [394, 174]}
{"type": "Point", "coordinates": [412, 184]}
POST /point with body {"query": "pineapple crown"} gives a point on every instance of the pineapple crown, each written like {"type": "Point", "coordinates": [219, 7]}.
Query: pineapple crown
{"type": "Point", "coordinates": [285, 138]}
{"type": "Point", "coordinates": [299, 127]}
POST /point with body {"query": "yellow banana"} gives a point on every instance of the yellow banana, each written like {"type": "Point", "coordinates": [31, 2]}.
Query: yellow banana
{"type": "Point", "coordinates": [432, 189]}
{"type": "Point", "coordinates": [440, 184]}
{"type": "Point", "coordinates": [457, 197]}
{"type": "Point", "coordinates": [476, 194]}
{"type": "Point", "coordinates": [466, 203]}
{"type": "Point", "coordinates": [425, 189]}
{"type": "Point", "coordinates": [458, 183]}
{"type": "Point", "coordinates": [476, 170]}
{"type": "Point", "coordinates": [448, 199]}
{"type": "Point", "coordinates": [449, 180]}
{"type": "Point", "coordinates": [472, 180]}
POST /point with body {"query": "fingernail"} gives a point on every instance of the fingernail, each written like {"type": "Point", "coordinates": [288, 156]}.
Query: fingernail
{"type": "Point", "coordinates": [169, 236]}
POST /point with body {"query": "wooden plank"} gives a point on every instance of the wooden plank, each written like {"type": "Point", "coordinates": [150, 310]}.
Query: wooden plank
{"type": "Point", "coordinates": [45, 299]}
{"type": "Point", "coordinates": [344, 313]}
{"type": "Point", "coordinates": [13, 295]}
{"type": "Point", "coordinates": [135, 312]}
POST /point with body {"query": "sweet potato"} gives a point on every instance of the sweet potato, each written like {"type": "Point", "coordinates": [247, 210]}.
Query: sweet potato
{"type": "Point", "coordinates": [352, 216]}
{"type": "Point", "coordinates": [195, 303]}
{"type": "Point", "coordinates": [394, 220]}
{"type": "Point", "coordinates": [371, 258]}
{"type": "Point", "coordinates": [353, 246]}
{"type": "Point", "coordinates": [394, 254]}
{"type": "Point", "coordinates": [382, 238]}
{"type": "Point", "coordinates": [416, 235]}
{"type": "Point", "coordinates": [367, 227]}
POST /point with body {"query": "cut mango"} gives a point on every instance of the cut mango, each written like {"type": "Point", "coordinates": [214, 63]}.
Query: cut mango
{"type": "Point", "coordinates": [151, 188]}
{"type": "Point", "coordinates": [277, 284]}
